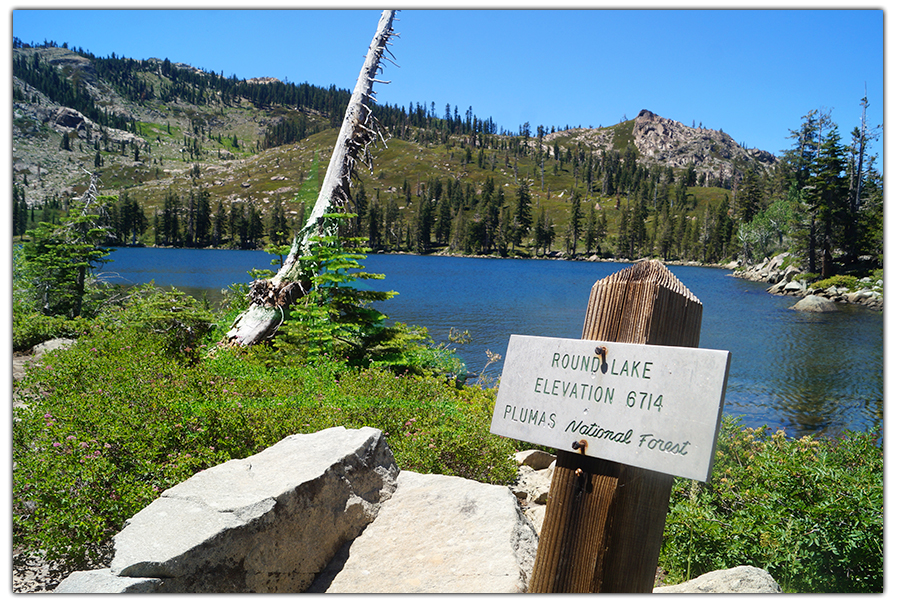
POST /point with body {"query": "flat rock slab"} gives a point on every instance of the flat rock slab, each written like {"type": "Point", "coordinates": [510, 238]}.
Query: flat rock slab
{"type": "Point", "coordinates": [104, 581]}
{"type": "Point", "coordinates": [439, 534]}
{"type": "Point", "coordinates": [267, 523]}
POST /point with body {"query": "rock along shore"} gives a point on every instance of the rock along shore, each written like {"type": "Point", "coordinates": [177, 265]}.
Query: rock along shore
{"type": "Point", "coordinates": [780, 274]}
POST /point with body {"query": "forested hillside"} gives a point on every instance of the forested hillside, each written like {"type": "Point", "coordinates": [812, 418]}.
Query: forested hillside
{"type": "Point", "coordinates": [191, 158]}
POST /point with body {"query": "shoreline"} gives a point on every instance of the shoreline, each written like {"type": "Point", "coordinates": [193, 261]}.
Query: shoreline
{"type": "Point", "coordinates": [768, 271]}
{"type": "Point", "coordinates": [780, 276]}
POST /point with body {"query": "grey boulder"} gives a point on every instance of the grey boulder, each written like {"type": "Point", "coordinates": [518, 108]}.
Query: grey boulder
{"type": "Point", "coordinates": [814, 303]}
{"type": "Point", "coordinates": [266, 523]}
{"type": "Point", "coordinates": [737, 580]}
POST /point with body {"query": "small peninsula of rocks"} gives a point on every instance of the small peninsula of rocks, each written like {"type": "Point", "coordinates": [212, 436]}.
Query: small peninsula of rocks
{"type": "Point", "coordinates": [781, 275]}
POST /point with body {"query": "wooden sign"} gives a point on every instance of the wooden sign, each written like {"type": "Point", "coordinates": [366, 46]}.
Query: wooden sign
{"type": "Point", "coordinates": [652, 407]}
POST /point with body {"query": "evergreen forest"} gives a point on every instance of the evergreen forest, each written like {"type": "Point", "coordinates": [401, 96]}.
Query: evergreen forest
{"type": "Point", "coordinates": [443, 182]}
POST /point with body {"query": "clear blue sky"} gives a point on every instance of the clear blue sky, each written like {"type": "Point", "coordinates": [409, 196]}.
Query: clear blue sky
{"type": "Point", "coordinates": [752, 73]}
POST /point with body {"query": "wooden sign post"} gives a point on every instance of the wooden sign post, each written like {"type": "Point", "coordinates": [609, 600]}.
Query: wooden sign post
{"type": "Point", "coordinates": [604, 520]}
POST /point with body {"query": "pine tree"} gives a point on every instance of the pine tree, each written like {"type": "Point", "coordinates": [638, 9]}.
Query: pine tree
{"type": "Point", "coordinates": [219, 225]}
{"type": "Point", "coordinates": [665, 235]}
{"type": "Point", "coordinates": [489, 212]}
{"type": "Point", "coordinates": [623, 241]}
{"type": "Point", "coordinates": [521, 214]}
{"type": "Point", "coordinates": [544, 232]}
{"type": "Point", "coordinates": [393, 229]}
{"type": "Point", "coordinates": [373, 220]}
{"type": "Point", "coordinates": [190, 219]}
{"type": "Point", "coordinates": [60, 257]}
{"type": "Point", "coordinates": [458, 231]}
{"type": "Point", "coordinates": [20, 211]}
{"type": "Point", "coordinates": [475, 234]}
{"type": "Point", "coordinates": [424, 222]}
{"type": "Point", "coordinates": [235, 224]}
{"type": "Point", "coordinates": [861, 137]}
{"type": "Point", "coordinates": [871, 213]}
{"type": "Point", "coordinates": [504, 230]}
{"type": "Point", "coordinates": [170, 224]}
{"type": "Point", "coordinates": [203, 220]}
{"type": "Point", "coordinates": [444, 221]}
{"type": "Point", "coordinates": [602, 231]}
{"type": "Point", "coordinates": [590, 228]}
{"type": "Point", "coordinates": [336, 316]}
{"type": "Point", "coordinates": [800, 160]}
{"type": "Point", "coordinates": [539, 233]}
{"type": "Point", "coordinates": [575, 217]}
{"type": "Point", "coordinates": [829, 197]}
{"type": "Point", "coordinates": [255, 227]}
{"type": "Point", "coordinates": [360, 208]}
{"type": "Point", "coordinates": [750, 196]}
{"type": "Point", "coordinates": [637, 235]}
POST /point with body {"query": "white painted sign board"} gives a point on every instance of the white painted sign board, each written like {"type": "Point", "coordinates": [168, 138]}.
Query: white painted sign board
{"type": "Point", "coordinates": [653, 407]}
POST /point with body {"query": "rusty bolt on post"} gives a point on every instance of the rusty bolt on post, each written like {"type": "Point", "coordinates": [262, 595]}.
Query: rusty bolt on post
{"type": "Point", "coordinates": [601, 351]}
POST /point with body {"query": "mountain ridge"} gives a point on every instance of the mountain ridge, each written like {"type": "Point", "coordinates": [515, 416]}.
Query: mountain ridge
{"type": "Point", "coordinates": [658, 140]}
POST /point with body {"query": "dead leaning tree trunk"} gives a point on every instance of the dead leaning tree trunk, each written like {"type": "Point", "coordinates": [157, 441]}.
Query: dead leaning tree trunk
{"type": "Point", "coordinates": [270, 299]}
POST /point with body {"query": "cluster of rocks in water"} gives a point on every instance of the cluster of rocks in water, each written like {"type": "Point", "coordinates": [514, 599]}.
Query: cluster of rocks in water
{"type": "Point", "coordinates": [331, 512]}
{"type": "Point", "coordinates": [781, 276]}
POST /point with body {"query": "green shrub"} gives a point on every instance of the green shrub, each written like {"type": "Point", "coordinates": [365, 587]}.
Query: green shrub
{"type": "Point", "coordinates": [809, 511]}
{"type": "Point", "coordinates": [848, 281]}
{"type": "Point", "coordinates": [808, 277]}
{"type": "Point", "coordinates": [124, 415]}
{"type": "Point", "coordinates": [335, 316]}
{"type": "Point", "coordinates": [30, 329]}
{"type": "Point", "coordinates": [30, 326]}
{"type": "Point", "coordinates": [180, 320]}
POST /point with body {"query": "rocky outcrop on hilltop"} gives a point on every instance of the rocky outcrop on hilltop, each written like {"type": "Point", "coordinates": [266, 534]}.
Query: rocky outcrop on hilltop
{"type": "Point", "coordinates": [712, 152]}
{"type": "Point", "coordinates": [262, 80]}
{"type": "Point", "coordinates": [658, 140]}
{"type": "Point", "coordinates": [167, 135]}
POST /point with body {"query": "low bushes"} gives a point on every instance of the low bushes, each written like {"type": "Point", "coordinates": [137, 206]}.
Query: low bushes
{"type": "Point", "coordinates": [848, 281]}
{"type": "Point", "coordinates": [132, 409]}
{"type": "Point", "coordinates": [809, 511]}
{"type": "Point", "coordinates": [33, 328]}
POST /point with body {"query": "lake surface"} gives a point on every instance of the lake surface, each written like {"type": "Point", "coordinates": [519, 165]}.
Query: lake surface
{"type": "Point", "coordinates": [807, 373]}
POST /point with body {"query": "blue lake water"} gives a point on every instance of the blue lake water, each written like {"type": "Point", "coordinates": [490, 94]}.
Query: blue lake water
{"type": "Point", "coordinates": [807, 373]}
